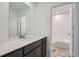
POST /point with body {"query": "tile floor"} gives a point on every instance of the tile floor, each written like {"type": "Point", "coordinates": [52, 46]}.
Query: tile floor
{"type": "Point", "coordinates": [60, 52]}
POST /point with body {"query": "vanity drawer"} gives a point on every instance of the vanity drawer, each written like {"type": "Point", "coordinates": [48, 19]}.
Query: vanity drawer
{"type": "Point", "coordinates": [32, 46]}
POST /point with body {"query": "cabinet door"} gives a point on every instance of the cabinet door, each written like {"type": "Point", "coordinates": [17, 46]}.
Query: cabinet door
{"type": "Point", "coordinates": [31, 47]}
{"type": "Point", "coordinates": [18, 53]}
{"type": "Point", "coordinates": [30, 54]}
{"type": "Point", "coordinates": [38, 52]}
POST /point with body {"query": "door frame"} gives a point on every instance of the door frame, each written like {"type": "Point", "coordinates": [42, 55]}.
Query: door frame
{"type": "Point", "coordinates": [72, 40]}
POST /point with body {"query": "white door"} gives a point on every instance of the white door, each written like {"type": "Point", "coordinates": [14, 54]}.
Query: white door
{"type": "Point", "coordinates": [62, 26]}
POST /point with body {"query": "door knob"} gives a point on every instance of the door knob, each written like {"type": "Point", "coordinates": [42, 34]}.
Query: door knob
{"type": "Point", "coordinates": [69, 34]}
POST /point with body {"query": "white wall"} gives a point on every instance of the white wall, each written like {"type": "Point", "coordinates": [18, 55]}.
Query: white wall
{"type": "Point", "coordinates": [13, 22]}
{"type": "Point", "coordinates": [32, 21]}
{"type": "Point", "coordinates": [28, 21]}
{"type": "Point", "coordinates": [43, 22]}
{"type": "Point", "coordinates": [4, 22]}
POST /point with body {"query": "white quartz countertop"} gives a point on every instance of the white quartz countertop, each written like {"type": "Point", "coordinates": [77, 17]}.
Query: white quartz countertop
{"type": "Point", "coordinates": [12, 45]}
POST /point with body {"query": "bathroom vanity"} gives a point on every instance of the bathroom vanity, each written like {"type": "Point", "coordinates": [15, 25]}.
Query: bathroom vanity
{"type": "Point", "coordinates": [24, 48]}
{"type": "Point", "coordinates": [21, 42]}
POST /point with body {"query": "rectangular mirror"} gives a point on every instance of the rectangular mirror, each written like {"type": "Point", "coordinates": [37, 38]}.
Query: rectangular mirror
{"type": "Point", "coordinates": [19, 12]}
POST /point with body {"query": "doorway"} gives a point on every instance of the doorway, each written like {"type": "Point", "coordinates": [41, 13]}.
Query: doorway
{"type": "Point", "coordinates": [62, 31]}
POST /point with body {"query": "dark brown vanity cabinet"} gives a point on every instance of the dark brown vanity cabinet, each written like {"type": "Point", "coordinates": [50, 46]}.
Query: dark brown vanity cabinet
{"type": "Point", "coordinates": [16, 53]}
{"type": "Point", "coordinates": [31, 54]}
{"type": "Point", "coordinates": [38, 52]}
{"type": "Point", "coordinates": [35, 49]}
{"type": "Point", "coordinates": [35, 53]}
